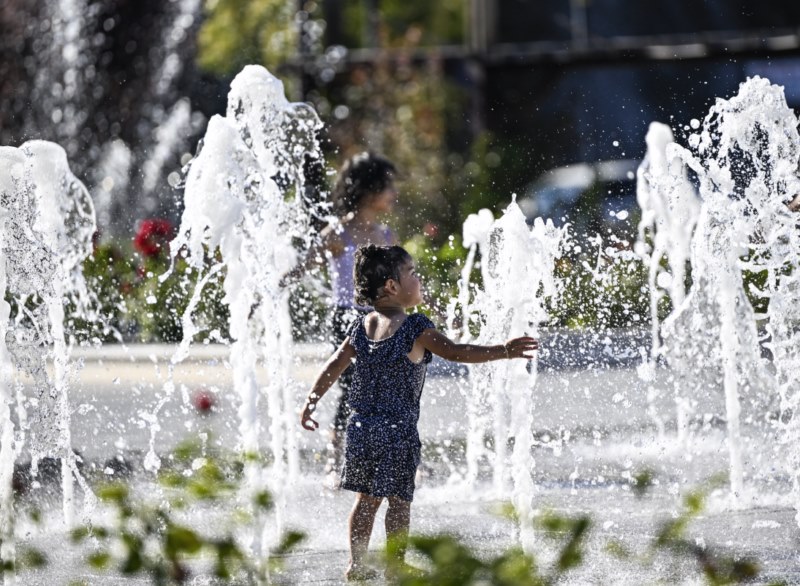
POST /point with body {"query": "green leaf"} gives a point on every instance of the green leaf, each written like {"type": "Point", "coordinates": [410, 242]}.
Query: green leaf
{"type": "Point", "coordinates": [31, 558]}
{"type": "Point", "coordinates": [188, 450]}
{"type": "Point", "coordinates": [99, 559]}
{"type": "Point", "coordinates": [133, 562]}
{"type": "Point", "coordinates": [288, 541]}
{"type": "Point", "coordinates": [100, 532]}
{"type": "Point", "coordinates": [204, 491]}
{"type": "Point", "coordinates": [114, 493]}
{"type": "Point", "coordinates": [251, 457]}
{"type": "Point", "coordinates": [671, 531]}
{"type": "Point", "coordinates": [263, 500]}
{"type": "Point", "coordinates": [35, 514]}
{"type": "Point", "coordinates": [227, 554]}
{"type": "Point", "coordinates": [211, 474]}
{"type": "Point", "coordinates": [642, 482]}
{"type": "Point", "coordinates": [514, 567]}
{"type": "Point", "coordinates": [172, 479]}
{"type": "Point", "coordinates": [744, 570]}
{"type": "Point", "coordinates": [181, 540]}
{"type": "Point", "coordinates": [570, 557]}
{"type": "Point", "coordinates": [79, 534]}
{"type": "Point", "coordinates": [554, 523]}
{"type": "Point", "coordinates": [694, 502]}
{"type": "Point", "coordinates": [618, 549]}
{"type": "Point", "coordinates": [508, 511]}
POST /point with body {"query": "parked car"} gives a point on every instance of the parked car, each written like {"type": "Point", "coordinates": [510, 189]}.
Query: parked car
{"type": "Point", "coordinates": [592, 197]}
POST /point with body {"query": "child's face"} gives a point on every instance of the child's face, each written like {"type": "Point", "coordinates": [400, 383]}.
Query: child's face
{"type": "Point", "coordinates": [409, 291]}
{"type": "Point", "coordinates": [383, 201]}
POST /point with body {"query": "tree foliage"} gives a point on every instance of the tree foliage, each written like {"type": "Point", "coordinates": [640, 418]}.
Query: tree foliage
{"type": "Point", "coordinates": [236, 33]}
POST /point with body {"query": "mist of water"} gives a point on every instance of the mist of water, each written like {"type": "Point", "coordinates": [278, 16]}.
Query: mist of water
{"type": "Point", "coordinates": [669, 215]}
{"type": "Point", "coordinates": [745, 158]}
{"type": "Point", "coordinates": [47, 226]}
{"type": "Point", "coordinates": [234, 204]}
{"type": "Point", "coordinates": [518, 270]}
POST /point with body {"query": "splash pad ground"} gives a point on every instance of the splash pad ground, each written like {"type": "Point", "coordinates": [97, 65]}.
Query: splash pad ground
{"type": "Point", "coordinates": [592, 432]}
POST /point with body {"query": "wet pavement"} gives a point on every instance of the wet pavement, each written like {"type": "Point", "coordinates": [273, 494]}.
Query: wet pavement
{"type": "Point", "coordinates": [594, 431]}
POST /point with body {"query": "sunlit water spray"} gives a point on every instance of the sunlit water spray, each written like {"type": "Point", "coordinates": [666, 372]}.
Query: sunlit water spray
{"type": "Point", "coordinates": [463, 314]}
{"type": "Point", "coordinates": [47, 226]}
{"type": "Point", "coordinates": [745, 158]}
{"type": "Point", "coordinates": [518, 266]}
{"type": "Point", "coordinates": [669, 214]}
{"type": "Point", "coordinates": [234, 204]}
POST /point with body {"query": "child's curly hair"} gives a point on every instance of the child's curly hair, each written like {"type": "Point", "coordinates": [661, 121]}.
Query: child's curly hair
{"type": "Point", "coordinates": [362, 175]}
{"type": "Point", "coordinates": [373, 266]}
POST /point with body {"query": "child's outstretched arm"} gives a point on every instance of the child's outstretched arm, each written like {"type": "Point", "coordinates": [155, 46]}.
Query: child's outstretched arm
{"type": "Point", "coordinates": [441, 345]}
{"type": "Point", "coordinates": [332, 370]}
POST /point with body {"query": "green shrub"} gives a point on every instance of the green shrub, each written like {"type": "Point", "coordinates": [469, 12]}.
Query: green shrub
{"type": "Point", "coordinates": [135, 305]}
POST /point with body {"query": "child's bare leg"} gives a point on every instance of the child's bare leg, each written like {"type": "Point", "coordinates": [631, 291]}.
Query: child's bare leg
{"type": "Point", "coordinates": [398, 519]}
{"type": "Point", "coordinates": [362, 518]}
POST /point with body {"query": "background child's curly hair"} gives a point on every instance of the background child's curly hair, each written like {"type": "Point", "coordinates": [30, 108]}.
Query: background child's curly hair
{"type": "Point", "coordinates": [373, 266]}
{"type": "Point", "coordinates": [362, 175]}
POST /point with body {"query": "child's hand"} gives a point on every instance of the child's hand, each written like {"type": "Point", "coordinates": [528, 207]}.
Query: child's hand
{"type": "Point", "coordinates": [521, 347]}
{"type": "Point", "coordinates": [305, 418]}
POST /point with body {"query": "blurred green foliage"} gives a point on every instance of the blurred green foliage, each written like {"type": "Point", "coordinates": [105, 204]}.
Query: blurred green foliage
{"type": "Point", "coordinates": [601, 291]}
{"type": "Point", "coordinates": [411, 111]}
{"type": "Point", "coordinates": [154, 537]}
{"type": "Point", "coordinates": [448, 561]}
{"type": "Point", "coordinates": [429, 23]}
{"type": "Point", "coordinates": [671, 539]}
{"type": "Point", "coordinates": [136, 305]}
{"type": "Point", "coordinates": [236, 33]}
{"type": "Point", "coordinates": [602, 285]}
{"type": "Point", "coordinates": [439, 267]}
{"type": "Point", "coordinates": [26, 558]}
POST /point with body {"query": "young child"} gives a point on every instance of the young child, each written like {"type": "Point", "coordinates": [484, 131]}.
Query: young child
{"type": "Point", "coordinates": [363, 193]}
{"type": "Point", "coordinates": [391, 350]}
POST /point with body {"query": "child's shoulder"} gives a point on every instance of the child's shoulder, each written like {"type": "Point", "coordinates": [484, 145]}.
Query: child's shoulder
{"type": "Point", "coordinates": [420, 321]}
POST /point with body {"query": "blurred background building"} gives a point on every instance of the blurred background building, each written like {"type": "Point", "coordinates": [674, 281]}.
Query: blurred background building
{"type": "Point", "coordinates": [474, 99]}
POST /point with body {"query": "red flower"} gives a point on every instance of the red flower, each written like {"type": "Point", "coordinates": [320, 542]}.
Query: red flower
{"type": "Point", "coordinates": [430, 230]}
{"type": "Point", "coordinates": [153, 237]}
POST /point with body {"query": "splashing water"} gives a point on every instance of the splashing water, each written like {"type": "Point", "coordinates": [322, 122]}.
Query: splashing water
{"type": "Point", "coordinates": [112, 177]}
{"type": "Point", "coordinates": [669, 214]}
{"type": "Point", "coordinates": [47, 226]}
{"type": "Point", "coordinates": [464, 310]}
{"type": "Point", "coordinates": [518, 271]}
{"type": "Point", "coordinates": [244, 198]}
{"type": "Point", "coordinates": [234, 203]}
{"type": "Point", "coordinates": [167, 138]}
{"type": "Point", "coordinates": [745, 157]}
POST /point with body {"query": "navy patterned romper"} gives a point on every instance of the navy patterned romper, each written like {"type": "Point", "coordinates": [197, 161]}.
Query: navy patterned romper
{"type": "Point", "coordinates": [383, 448]}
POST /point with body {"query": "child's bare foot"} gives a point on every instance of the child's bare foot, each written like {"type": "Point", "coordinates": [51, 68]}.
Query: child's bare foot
{"type": "Point", "coordinates": [360, 573]}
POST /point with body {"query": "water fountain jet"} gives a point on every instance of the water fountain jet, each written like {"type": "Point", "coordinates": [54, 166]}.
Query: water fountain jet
{"type": "Point", "coordinates": [47, 227]}
{"type": "Point", "coordinates": [745, 158]}
{"type": "Point", "coordinates": [234, 204]}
